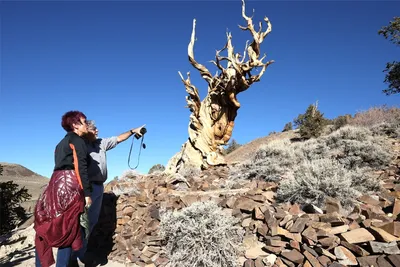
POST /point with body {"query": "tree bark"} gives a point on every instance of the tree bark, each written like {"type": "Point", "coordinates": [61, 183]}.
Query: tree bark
{"type": "Point", "coordinates": [212, 120]}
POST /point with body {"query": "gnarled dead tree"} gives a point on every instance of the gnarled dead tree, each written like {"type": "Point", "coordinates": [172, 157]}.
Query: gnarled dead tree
{"type": "Point", "coordinates": [212, 120]}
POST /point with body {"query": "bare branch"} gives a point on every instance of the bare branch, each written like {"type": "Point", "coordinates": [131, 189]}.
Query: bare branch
{"type": "Point", "coordinates": [193, 100]}
{"type": "Point", "coordinates": [258, 37]}
{"type": "Point", "coordinates": [231, 55]}
{"type": "Point", "coordinates": [250, 26]}
{"type": "Point", "coordinates": [203, 70]}
{"type": "Point", "coordinates": [244, 52]}
{"type": "Point", "coordinates": [256, 78]}
{"type": "Point", "coordinates": [218, 59]}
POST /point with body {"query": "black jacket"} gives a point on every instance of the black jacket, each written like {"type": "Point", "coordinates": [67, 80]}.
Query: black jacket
{"type": "Point", "coordinates": [71, 154]}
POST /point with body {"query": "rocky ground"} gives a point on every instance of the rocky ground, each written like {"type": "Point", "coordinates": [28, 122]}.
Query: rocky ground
{"type": "Point", "coordinates": [19, 250]}
{"type": "Point", "coordinates": [275, 234]}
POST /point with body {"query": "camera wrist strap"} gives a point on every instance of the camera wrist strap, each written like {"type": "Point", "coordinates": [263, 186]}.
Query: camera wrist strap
{"type": "Point", "coordinates": [130, 151]}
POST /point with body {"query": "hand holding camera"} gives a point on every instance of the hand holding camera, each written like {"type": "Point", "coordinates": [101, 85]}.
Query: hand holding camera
{"type": "Point", "coordinates": [139, 132]}
{"type": "Point", "coordinates": [142, 132]}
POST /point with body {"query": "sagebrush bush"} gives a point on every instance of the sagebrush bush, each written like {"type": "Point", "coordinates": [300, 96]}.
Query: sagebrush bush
{"type": "Point", "coordinates": [189, 172]}
{"type": "Point", "coordinates": [348, 155]}
{"type": "Point", "coordinates": [389, 129]}
{"type": "Point", "coordinates": [201, 235]}
{"type": "Point", "coordinates": [354, 147]}
{"type": "Point", "coordinates": [128, 175]}
{"type": "Point", "coordinates": [357, 147]}
{"type": "Point", "coordinates": [270, 162]}
{"type": "Point", "coordinates": [158, 168]}
{"type": "Point", "coordinates": [312, 181]}
{"type": "Point", "coordinates": [311, 149]}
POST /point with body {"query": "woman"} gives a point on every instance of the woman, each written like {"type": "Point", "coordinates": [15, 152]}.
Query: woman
{"type": "Point", "coordinates": [59, 207]}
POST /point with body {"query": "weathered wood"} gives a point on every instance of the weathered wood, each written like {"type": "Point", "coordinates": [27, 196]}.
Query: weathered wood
{"type": "Point", "coordinates": [212, 119]}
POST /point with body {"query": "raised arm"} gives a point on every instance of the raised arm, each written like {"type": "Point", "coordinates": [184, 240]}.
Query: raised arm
{"type": "Point", "coordinates": [122, 137]}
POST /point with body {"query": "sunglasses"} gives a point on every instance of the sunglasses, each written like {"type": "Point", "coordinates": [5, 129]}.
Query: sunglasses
{"type": "Point", "coordinates": [85, 122]}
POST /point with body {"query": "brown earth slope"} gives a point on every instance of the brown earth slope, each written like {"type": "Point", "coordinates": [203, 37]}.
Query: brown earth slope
{"type": "Point", "coordinates": [24, 178]}
{"type": "Point", "coordinates": [245, 151]}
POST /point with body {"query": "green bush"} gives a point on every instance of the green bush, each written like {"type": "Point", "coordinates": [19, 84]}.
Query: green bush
{"type": "Point", "coordinates": [341, 121]}
{"type": "Point", "coordinates": [288, 127]}
{"type": "Point", "coordinates": [11, 212]}
{"type": "Point", "coordinates": [232, 146]}
{"type": "Point", "coordinates": [311, 123]}
{"type": "Point", "coordinates": [201, 235]}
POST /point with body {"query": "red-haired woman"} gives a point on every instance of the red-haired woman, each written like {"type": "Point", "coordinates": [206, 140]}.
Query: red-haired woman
{"type": "Point", "coordinates": [68, 192]}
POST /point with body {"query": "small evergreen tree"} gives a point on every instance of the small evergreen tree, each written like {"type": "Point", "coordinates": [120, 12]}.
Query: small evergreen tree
{"type": "Point", "coordinates": [392, 77]}
{"type": "Point", "coordinates": [311, 123]}
{"type": "Point", "coordinates": [11, 211]}
{"type": "Point", "coordinates": [232, 146]}
{"type": "Point", "coordinates": [288, 127]}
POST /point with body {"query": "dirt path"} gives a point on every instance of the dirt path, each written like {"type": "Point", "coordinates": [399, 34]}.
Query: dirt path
{"type": "Point", "coordinates": [20, 250]}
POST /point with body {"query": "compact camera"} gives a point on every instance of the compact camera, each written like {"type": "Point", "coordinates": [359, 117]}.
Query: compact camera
{"type": "Point", "coordinates": [142, 132]}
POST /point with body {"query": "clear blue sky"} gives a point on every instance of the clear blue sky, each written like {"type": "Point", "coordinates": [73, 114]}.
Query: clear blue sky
{"type": "Point", "coordinates": [118, 62]}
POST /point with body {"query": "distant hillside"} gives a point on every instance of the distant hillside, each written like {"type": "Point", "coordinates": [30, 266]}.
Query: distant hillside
{"type": "Point", "coordinates": [245, 151]}
{"type": "Point", "coordinates": [24, 177]}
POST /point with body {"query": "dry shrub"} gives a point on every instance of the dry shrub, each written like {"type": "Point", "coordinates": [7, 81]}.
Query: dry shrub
{"type": "Point", "coordinates": [201, 235]}
{"type": "Point", "coordinates": [189, 172]}
{"type": "Point", "coordinates": [312, 181]}
{"type": "Point", "coordinates": [354, 147]}
{"type": "Point", "coordinates": [376, 115]}
{"type": "Point", "coordinates": [386, 129]}
{"type": "Point", "coordinates": [270, 162]}
{"type": "Point", "coordinates": [157, 169]}
{"type": "Point", "coordinates": [127, 183]}
{"type": "Point", "coordinates": [129, 175]}
{"type": "Point", "coordinates": [357, 147]}
{"type": "Point", "coordinates": [331, 165]}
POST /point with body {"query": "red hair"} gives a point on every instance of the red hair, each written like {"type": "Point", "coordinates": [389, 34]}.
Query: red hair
{"type": "Point", "coordinates": [70, 118]}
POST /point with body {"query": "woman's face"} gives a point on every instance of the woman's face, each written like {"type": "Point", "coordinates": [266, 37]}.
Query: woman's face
{"type": "Point", "coordinates": [81, 127]}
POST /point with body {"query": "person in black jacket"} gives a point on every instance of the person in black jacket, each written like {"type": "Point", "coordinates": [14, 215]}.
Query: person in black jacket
{"type": "Point", "coordinates": [70, 172]}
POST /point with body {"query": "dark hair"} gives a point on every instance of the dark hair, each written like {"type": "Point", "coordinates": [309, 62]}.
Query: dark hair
{"type": "Point", "coordinates": [71, 117]}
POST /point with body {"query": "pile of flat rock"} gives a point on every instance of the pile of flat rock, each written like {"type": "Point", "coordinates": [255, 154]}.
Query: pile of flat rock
{"type": "Point", "coordinates": [275, 234]}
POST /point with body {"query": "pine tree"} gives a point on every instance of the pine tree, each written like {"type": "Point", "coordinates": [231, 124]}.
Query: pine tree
{"type": "Point", "coordinates": [311, 123]}
{"type": "Point", "coordinates": [11, 211]}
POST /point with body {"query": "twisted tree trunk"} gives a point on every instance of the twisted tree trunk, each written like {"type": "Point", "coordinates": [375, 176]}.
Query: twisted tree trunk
{"type": "Point", "coordinates": [212, 120]}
